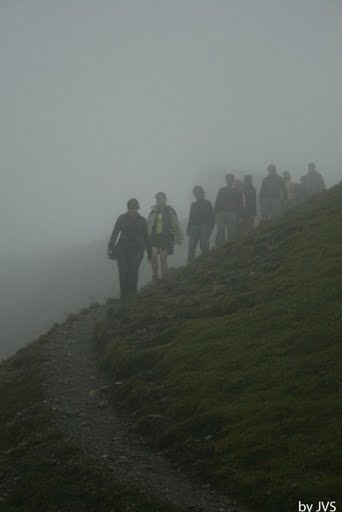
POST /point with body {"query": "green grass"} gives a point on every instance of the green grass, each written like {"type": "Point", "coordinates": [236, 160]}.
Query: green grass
{"type": "Point", "coordinates": [234, 364]}
{"type": "Point", "coordinates": [41, 470]}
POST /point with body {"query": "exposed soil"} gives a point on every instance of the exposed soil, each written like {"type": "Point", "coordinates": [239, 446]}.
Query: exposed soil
{"type": "Point", "coordinates": [79, 396]}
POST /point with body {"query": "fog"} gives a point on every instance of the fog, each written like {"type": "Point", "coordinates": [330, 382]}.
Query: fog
{"type": "Point", "coordinates": [107, 100]}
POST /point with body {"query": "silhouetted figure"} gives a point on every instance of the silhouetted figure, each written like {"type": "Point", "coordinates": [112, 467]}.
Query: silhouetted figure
{"type": "Point", "coordinates": [314, 181]}
{"type": "Point", "coordinates": [129, 250]}
{"type": "Point", "coordinates": [201, 223]}
{"type": "Point", "coordinates": [300, 191]}
{"type": "Point", "coordinates": [238, 184]}
{"type": "Point", "coordinates": [228, 205]}
{"type": "Point", "coordinates": [290, 189]}
{"type": "Point", "coordinates": [250, 209]}
{"type": "Point", "coordinates": [164, 230]}
{"type": "Point", "coordinates": [273, 194]}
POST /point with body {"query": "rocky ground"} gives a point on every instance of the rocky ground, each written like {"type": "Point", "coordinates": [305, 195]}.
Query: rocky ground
{"type": "Point", "coordinates": [79, 396]}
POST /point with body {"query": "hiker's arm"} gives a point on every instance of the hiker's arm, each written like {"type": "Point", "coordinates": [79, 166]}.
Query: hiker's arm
{"type": "Point", "coordinates": [284, 190]}
{"type": "Point", "coordinates": [211, 216]}
{"type": "Point", "coordinates": [218, 202]}
{"type": "Point", "coordinates": [190, 221]}
{"type": "Point", "coordinates": [147, 241]}
{"type": "Point", "coordinates": [262, 190]}
{"type": "Point", "coordinates": [115, 234]}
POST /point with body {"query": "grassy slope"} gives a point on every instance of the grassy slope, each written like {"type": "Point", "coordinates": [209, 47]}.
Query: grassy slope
{"type": "Point", "coordinates": [245, 346]}
{"type": "Point", "coordinates": [40, 470]}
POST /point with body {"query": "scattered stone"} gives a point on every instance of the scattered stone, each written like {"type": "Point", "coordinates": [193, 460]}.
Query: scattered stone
{"type": "Point", "coordinates": [93, 392]}
{"type": "Point", "coordinates": [103, 433]}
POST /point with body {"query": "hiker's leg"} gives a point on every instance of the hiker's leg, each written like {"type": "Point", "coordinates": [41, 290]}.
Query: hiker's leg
{"type": "Point", "coordinates": [155, 265]}
{"type": "Point", "coordinates": [194, 236]}
{"type": "Point", "coordinates": [123, 269]}
{"type": "Point", "coordinates": [163, 261]}
{"type": "Point", "coordinates": [134, 262]}
{"type": "Point", "coordinates": [221, 228]}
{"type": "Point", "coordinates": [265, 208]}
{"type": "Point", "coordinates": [204, 239]}
{"type": "Point", "coordinates": [232, 226]}
{"type": "Point", "coordinates": [276, 207]}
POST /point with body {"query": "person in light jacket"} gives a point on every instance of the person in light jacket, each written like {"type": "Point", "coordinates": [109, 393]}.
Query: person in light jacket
{"type": "Point", "coordinates": [164, 231]}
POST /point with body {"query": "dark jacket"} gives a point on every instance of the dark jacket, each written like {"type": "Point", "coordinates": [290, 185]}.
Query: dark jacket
{"type": "Point", "coordinates": [273, 186]}
{"type": "Point", "coordinates": [133, 233]}
{"type": "Point", "coordinates": [201, 212]}
{"type": "Point", "coordinates": [249, 193]}
{"type": "Point", "coordinates": [300, 192]}
{"type": "Point", "coordinates": [314, 183]}
{"type": "Point", "coordinates": [229, 200]}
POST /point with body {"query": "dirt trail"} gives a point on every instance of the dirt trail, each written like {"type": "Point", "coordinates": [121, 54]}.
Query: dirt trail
{"type": "Point", "coordinates": [77, 393]}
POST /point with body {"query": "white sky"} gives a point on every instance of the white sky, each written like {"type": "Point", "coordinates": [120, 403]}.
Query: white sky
{"type": "Point", "coordinates": [104, 100]}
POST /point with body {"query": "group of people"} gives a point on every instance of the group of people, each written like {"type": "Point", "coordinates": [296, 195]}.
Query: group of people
{"type": "Point", "coordinates": [233, 213]}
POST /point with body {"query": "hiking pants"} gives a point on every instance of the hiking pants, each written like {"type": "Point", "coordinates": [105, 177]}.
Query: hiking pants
{"type": "Point", "coordinates": [226, 221]}
{"type": "Point", "coordinates": [129, 262]}
{"type": "Point", "coordinates": [201, 234]}
{"type": "Point", "coordinates": [271, 207]}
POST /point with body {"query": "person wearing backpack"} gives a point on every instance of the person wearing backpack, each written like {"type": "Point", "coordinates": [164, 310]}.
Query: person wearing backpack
{"type": "Point", "coordinates": [129, 250]}
{"type": "Point", "coordinates": [165, 231]}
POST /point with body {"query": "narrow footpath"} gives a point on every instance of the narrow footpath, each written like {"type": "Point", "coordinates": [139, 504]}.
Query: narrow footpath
{"type": "Point", "coordinates": [78, 394]}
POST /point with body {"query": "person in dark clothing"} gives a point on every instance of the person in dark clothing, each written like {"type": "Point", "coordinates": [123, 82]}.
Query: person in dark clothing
{"type": "Point", "coordinates": [164, 230]}
{"type": "Point", "coordinates": [129, 250]}
{"type": "Point", "coordinates": [228, 205]}
{"type": "Point", "coordinates": [238, 184]}
{"type": "Point", "coordinates": [300, 191]}
{"type": "Point", "coordinates": [250, 209]}
{"type": "Point", "coordinates": [314, 181]}
{"type": "Point", "coordinates": [273, 194]}
{"type": "Point", "coordinates": [201, 223]}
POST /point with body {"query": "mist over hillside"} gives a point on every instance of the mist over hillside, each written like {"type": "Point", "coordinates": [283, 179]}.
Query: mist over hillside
{"type": "Point", "coordinates": [41, 289]}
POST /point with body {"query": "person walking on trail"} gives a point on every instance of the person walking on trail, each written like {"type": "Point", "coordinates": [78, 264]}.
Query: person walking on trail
{"type": "Point", "coordinates": [273, 194]}
{"type": "Point", "coordinates": [129, 250]}
{"type": "Point", "coordinates": [238, 184]}
{"type": "Point", "coordinates": [300, 190]}
{"type": "Point", "coordinates": [228, 205]}
{"type": "Point", "coordinates": [250, 209]}
{"type": "Point", "coordinates": [164, 231]}
{"type": "Point", "coordinates": [201, 223]}
{"type": "Point", "coordinates": [290, 188]}
{"type": "Point", "coordinates": [314, 181]}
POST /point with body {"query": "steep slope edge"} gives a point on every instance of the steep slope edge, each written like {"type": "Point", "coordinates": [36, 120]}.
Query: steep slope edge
{"type": "Point", "coordinates": [40, 468]}
{"type": "Point", "coordinates": [234, 364]}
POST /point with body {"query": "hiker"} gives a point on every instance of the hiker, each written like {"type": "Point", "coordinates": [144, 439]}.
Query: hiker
{"type": "Point", "coordinates": [300, 190]}
{"type": "Point", "coordinates": [238, 184]}
{"type": "Point", "coordinates": [164, 231]}
{"type": "Point", "coordinates": [250, 209]}
{"type": "Point", "coordinates": [314, 181]}
{"type": "Point", "coordinates": [129, 250]}
{"type": "Point", "coordinates": [228, 206]}
{"type": "Point", "coordinates": [273, 194]}
{"type": "Point", "coordinates": [290, 188]}
{"type": "Point", "coordinates": [201, 223]}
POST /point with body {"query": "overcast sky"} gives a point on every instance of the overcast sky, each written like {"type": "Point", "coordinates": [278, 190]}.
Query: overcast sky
{"type": "Point", "coordinates": [103, 100]}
